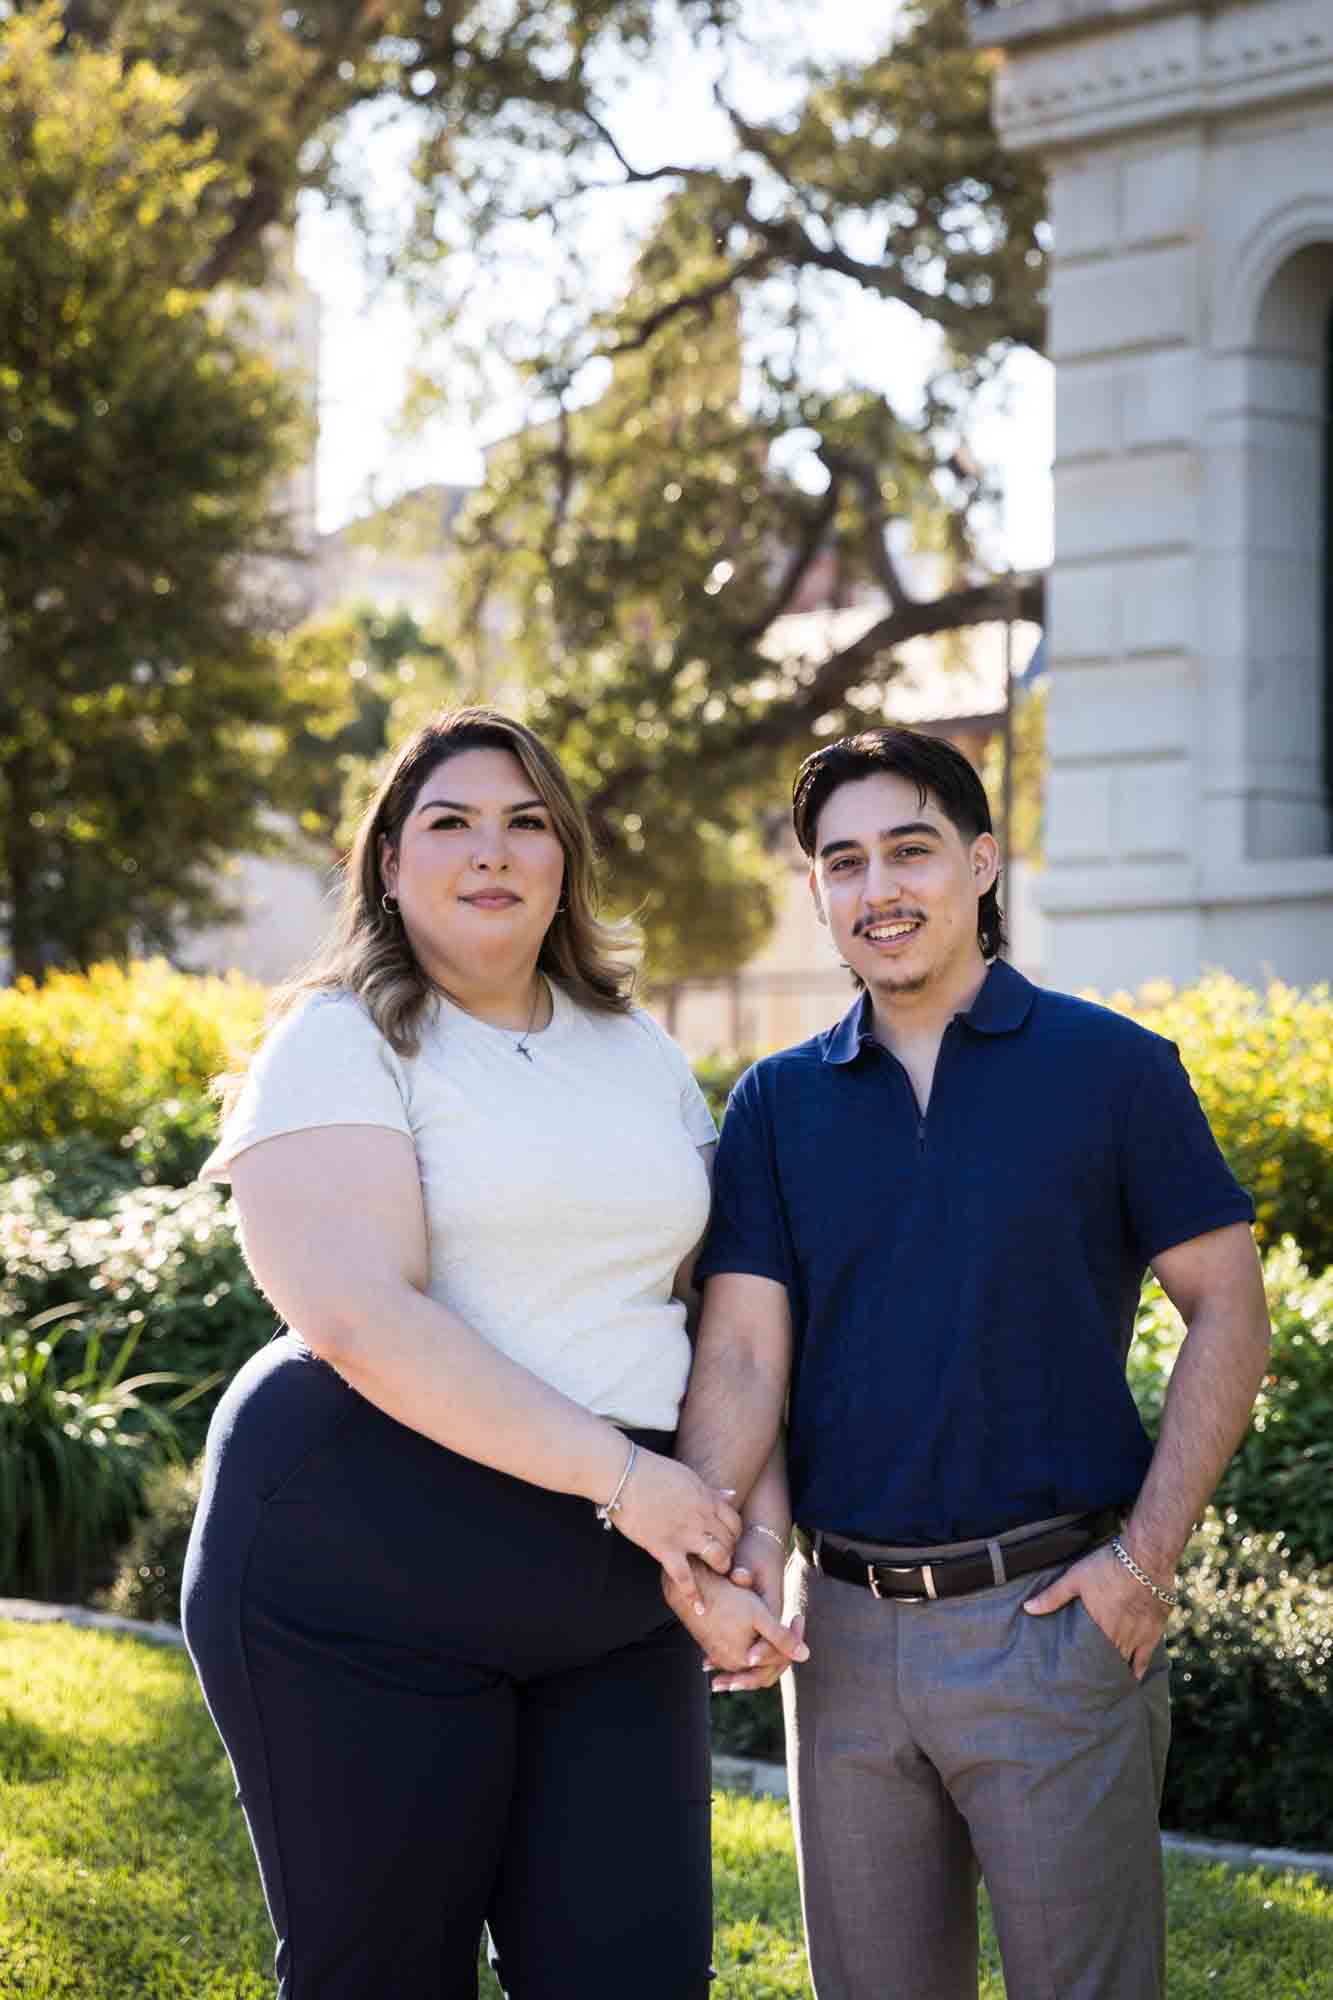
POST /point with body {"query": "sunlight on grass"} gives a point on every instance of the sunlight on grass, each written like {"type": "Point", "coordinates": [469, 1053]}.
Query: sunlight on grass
{"type": "Point", "coordinates": [127, 1870]}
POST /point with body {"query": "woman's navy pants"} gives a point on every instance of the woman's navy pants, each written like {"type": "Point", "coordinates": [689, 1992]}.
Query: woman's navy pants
{"type": "Point", "coordinates": [449, 1698]}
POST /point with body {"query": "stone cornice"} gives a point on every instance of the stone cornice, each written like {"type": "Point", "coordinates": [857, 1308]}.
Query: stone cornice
{"type": "Point", "coordinates": [1004, 23]}
{"type": "Point", "coordinates": [1120, 64]}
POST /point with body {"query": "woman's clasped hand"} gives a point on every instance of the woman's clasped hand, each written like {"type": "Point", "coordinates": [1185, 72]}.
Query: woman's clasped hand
{"type": "Point", "coordinates": [667, 1510]}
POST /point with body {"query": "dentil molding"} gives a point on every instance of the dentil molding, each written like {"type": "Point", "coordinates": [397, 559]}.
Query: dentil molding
{"type": "Point", "coordinates": [1077, 70]}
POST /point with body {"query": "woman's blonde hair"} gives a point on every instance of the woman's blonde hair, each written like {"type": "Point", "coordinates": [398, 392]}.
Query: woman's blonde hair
{"type": "Point", "coordinates": [367, 952]}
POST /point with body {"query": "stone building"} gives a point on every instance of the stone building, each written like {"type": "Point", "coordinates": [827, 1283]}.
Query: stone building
{"type": "Point", "coordinates": [1189, 145]}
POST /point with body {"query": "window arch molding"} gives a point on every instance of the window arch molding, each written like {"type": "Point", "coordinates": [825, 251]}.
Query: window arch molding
{"type": "Point", "coordinates": [1269, 457]}
{"type": "Point", "coordinates": [1264, 253]}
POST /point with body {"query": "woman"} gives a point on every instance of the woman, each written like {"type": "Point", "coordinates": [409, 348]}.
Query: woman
{"type": "Point", "coordinates": [469, 1176]}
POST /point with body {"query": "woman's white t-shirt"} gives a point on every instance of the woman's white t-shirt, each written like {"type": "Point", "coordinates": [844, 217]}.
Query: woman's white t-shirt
{"type": "Point", "coordinates": [561, 1193]}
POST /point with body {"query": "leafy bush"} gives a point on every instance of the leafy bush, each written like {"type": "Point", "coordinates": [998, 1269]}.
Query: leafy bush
{"type": "Point", "coordinates": [715, 1074]}
{"type": "Point", "coordinates": [121, 1059]}
{"type": "Point", "coordinates": [749, 1724]}
{"type": "Point", "coordinates": [161, 1263]}
{"type": "Point", "coordinates": [1282, 1476]}
{"type": "Point", "coordinates": [1262, 1064]}
{"type": "Point", "coordinates": [76, 1438]}
{"type": "Point", "coordinates": [147, 1583]}
{"type": "Point", "coordinates": [76, 1174]}
{"type": "Point", "coordinates": [1251, 1686]}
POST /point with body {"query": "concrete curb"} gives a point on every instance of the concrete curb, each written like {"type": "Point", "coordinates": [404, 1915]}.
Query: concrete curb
{"type": "Point", "coordinates": [734, 1774]}
{"type": "Point", "coordinates": [27, 1611]}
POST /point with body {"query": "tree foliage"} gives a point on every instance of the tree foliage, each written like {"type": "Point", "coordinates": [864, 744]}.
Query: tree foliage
{"type": "Point", "coordinates": [684, 460]}
{"type": "Point", "coordinates": [376, 674]}
{"type": "Point", "coordinates": [630, 564]}
{"type": "Point", "coordinates": [139, 438]}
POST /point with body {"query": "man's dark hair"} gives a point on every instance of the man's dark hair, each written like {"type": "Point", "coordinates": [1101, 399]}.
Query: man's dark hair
{"type": "Point", "coordinates": [928, 762]}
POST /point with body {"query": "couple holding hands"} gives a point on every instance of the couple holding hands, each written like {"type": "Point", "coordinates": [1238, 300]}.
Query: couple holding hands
{"type": "Point", "coordinates": [425, 1592]}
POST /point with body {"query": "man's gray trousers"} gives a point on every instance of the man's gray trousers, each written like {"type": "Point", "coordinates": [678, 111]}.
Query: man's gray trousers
{"type": "Point", "coordinates": [929, 1741]}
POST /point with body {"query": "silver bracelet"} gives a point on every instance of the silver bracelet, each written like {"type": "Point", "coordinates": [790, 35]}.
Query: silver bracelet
{"type": "Point", "coordinates": [1121, 1553]}
{"type": "Point", "coordinates": [758, 1528]}
{"type": "Point", "coordinates": [612, 1506]}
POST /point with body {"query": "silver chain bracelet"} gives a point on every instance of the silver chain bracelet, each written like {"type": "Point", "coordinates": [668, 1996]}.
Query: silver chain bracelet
{"type": "Point", "coordinates": [612, 1506]}
{"type": "Point", "coordinates": [758, 1528]}
{"type": "Point", "coordinates": [1121, 1554]}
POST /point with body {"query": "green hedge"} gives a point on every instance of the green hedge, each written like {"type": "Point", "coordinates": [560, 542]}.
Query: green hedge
{"type": "Point", "coordinates": [161, 1263]}
{"type": "Point", "coordinates": [1262, 1064]}
{"type": "Point", "coordinates": [1281, 1479]}
{"type": "Point", "coordinates": [76, 1440]}
{"type": "Point", "coordinates": [147, 1583]}
{"type": "Point", "coordinates": [1251, 1693]}
{"type": "Point", "coordinates": [120, 1060]}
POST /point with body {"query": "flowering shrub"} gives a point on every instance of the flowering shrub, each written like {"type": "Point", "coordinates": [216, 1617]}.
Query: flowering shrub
{"type": "Point", "coordinates": [1262, 1064]}
{"type": "Point", "coordinates": [121, 1059]}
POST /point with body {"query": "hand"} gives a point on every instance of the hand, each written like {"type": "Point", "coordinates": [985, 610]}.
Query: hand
{"type": "Point", "coordinates": [759, 1564]}
{"type": "Point", "coordinates": [668, 1510]}
{"type": "Point", "coordinates": [1129, 1615]}
{"type": "Point", "coordinates": [735, 1627]}
{"type": "Point", "coordinates": [766, 1663]}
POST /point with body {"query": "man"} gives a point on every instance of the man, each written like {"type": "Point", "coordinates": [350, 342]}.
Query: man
{"type": "Point", "coordinates": [930, 1228]}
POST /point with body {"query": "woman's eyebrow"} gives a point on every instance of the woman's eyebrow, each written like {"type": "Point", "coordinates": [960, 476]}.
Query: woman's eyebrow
{"type": "Point", "coordinates": [458, 805]}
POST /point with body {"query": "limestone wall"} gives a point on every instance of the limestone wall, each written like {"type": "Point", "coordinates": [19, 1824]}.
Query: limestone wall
{"type": "Point", "coordinates": [1190, 150]}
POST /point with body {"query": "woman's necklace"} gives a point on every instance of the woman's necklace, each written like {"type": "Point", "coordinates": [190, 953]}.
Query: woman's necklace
{"type": "Point", "coordinates": [521, 1045]}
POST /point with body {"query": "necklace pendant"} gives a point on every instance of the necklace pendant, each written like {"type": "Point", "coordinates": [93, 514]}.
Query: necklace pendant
{"type": "Point", "coordinates": [524, 1051]}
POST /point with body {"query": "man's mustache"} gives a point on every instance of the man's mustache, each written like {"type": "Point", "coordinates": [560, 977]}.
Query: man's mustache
{"type": "Point", "coordinates": [888, 917]}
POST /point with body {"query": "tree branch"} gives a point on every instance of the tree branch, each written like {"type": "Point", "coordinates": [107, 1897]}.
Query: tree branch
{"type": "Point", "coordinates": [702, 295]}
{"type": "Point", "coordinates": [1021, 595]}
{"type": "Point", "coordinates": [817, 526]}
{"type": "Point", "coordinates": [363, 20]}
{"type": "Point", "coordinates": [638, 176]}
{"type": "Point", "coordinates": [1005, 597]}
{"type": "Point", "coordinates": [875, 539]}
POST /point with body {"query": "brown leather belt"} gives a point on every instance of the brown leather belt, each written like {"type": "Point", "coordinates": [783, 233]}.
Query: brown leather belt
{"type": "Point", "coordinates": [953, 1576]}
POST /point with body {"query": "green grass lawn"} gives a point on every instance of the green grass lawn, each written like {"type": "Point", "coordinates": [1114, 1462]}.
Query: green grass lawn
{"type": "Point", "coordinates": [125, 1869]}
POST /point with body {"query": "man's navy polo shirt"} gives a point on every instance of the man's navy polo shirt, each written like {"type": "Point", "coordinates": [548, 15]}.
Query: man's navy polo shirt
{"type": "Point", "coordinates": [963, 1285]}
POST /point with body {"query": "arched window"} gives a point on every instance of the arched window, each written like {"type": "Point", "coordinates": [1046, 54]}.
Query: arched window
{"type": "Point", "coordinates": [1285, 500]}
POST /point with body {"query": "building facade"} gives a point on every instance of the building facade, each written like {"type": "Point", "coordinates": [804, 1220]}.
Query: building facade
{"type": "Point", "coordinates": [1189, 145]}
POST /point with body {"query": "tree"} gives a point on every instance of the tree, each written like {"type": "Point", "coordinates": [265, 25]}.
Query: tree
{"type": "Point", "coordinates": [277, 84]}
{"type": "Point", "coordinates": [647, 547]}
{"type": "Point", "coordinates": [642, 625]}
{"type": "Point", "coordinates": [375, 673]}
{"type": "Point", "coordinates": [140, 436]}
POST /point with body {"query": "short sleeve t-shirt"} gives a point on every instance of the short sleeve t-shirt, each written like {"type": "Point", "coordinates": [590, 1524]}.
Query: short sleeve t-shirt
{"type": "Point", "coordinates": [561, 1193]}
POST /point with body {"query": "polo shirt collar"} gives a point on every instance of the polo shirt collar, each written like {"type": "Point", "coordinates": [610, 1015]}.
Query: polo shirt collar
{"type": "Point", "coordinates": [1004, 1002]}
{"type": "Point", "coordinates": [1001, 1007]}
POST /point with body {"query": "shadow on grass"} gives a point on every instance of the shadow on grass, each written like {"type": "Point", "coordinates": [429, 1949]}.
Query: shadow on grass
{"type": "Point", "coordinates": [28, 1755]}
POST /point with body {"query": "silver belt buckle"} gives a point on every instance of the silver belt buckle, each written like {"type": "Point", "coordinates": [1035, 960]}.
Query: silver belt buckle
{"type": "Point", "coordinates": [904, 1569]}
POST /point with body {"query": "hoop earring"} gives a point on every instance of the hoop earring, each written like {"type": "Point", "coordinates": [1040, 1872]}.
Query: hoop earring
{"type": "Point", "coordinates": [389, 904]}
